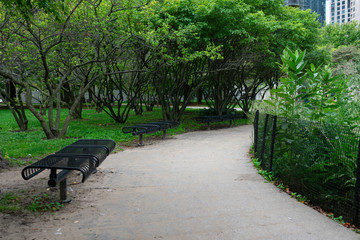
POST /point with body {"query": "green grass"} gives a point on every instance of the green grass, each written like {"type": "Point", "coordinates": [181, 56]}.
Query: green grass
{"type": "Point", "coordinates": [24, 201]}
{"type": "Point", "coordinates": [32, 144]}
{"type": "Point", "coordinates": [22, 148]}
{"type": "Point", "coordinates": [10, 203]}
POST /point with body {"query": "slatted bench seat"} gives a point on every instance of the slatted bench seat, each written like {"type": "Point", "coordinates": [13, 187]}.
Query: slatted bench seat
{"type": "Point", "coordinates": [218, 118]}
{"type": "Point", "coordinates": [96, 151]}
{"type": "Point", "coordinates": [83, 156]}
{"type": "Point", "coordinates": [109, 144]}
{"type": "Point", "coordinates": [140, 129]}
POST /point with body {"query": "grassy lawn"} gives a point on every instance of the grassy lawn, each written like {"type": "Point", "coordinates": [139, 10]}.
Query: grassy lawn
{"type": "Point", "coordinates": [23, 148]}
{"type": "Point", "coordinates": [19, 147]}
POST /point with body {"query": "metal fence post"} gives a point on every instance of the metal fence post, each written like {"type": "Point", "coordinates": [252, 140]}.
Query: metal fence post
{"type": "Point", "coordinates": [256, 132]}
{"type": "Point", "coordinates": [357, 190]}
{"type": "Point", "coordinates": [264, 139]}
{"type": "Point", "coordinates": [272, 142]}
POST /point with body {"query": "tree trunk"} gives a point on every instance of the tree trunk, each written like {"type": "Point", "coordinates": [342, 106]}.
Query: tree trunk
{"type": "Point", "coordinates": [3, 163]}
{"type": "Point", "coordinates": [17, 110]}
{"type": "Point", "coordinates": [138, 107]}
{"type": "Point", "coordinates": [78, 111]}
{"type": "Point", "coordinates": [199, 96]}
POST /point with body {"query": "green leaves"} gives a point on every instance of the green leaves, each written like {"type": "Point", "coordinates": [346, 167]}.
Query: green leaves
{"type": "Point", "coordinates": [25, 7]}
{"type": "Point", "coordinates": [287, 96]}
{"type": "Point", "coordinates": [313, 93]}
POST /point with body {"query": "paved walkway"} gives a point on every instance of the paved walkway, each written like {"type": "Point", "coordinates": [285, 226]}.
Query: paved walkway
{"type": "Point", "coordinates": [200, 185]}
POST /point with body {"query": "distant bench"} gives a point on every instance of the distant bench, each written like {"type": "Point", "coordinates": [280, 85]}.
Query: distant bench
{"type": "Point", "coordinates": [218, 118]}
{"type": "Point", "coordinates": [152, 127]}
{"type": "Point", "coordinates": [83, 155]}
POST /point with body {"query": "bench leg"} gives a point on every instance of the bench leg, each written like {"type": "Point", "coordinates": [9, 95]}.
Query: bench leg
{"type": "Point", "coordinates": [141, 140]}
{"type": "Point", "coordinates": [230, 123]}
{"type": "Point", "coordinates": [208, 126]}
{"type": "Point", "coordinates": [63, 192]}
{"type": "Point", "coordinates": [164, 136]}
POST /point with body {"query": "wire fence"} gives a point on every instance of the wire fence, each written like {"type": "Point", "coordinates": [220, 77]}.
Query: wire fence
{"type": "Point", "coordinates": [318, 160]}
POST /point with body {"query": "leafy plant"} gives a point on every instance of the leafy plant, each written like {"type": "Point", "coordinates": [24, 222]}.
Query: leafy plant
{"type": "Point", "coordinates": [314, 94]}
{"type": "Point", "coordinates": [282, 186]}
{"type": "Point", "coordinates": [299, 197]}
{"type": "Point", "coordinates": [44, 203]}
{"type": "Point", "coordinates": [337, 219]}
{"type": "Point", "coordinates": [256, 163]}
{"type": "Point", "coordinates": [269, 176]}
{"type": "Point", "coordinates": [287, 97]}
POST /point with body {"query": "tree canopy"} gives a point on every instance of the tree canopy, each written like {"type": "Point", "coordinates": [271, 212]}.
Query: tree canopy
{"type": "Point", "coordinates": [128, 51]}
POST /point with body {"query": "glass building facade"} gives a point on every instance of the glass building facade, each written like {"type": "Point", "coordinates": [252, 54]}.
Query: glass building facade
{"type": "Point", "coordinates": [317, 6]}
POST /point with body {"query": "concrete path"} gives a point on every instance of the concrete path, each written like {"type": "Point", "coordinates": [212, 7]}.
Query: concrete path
{"type": "Point", "coordinates": [199, 185]}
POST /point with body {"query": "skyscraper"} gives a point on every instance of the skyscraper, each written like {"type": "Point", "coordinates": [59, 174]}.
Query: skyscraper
{"type": "Point", "coordinates": [317, 6]}
{"type": "Point", "coordinates": [355, 10]}
{"type": "Point", "coordinates": [342, 11]}
{"type": "Point", "coordinates": [293, 3]}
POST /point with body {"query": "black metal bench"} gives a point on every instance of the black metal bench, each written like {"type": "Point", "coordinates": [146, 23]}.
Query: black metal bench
{"type": "Point", "coordinates": [152, 127]}
{"type": "Point", "coordinates": [83, 156]}
{"type": "Point", "coordinates": [218, 118]}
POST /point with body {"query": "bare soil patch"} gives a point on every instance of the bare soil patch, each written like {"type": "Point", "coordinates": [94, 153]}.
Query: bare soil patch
{"type": "Point", "coordinates": [14, 225]}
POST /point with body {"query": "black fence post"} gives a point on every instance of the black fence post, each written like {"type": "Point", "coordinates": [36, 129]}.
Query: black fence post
{"type": "Point", "coordinates": [264, 139]}
{"type": "Point", "coordinates": [256, 132]}
{"type": "Point", "coordinates": [272, 142]}
{"type": "Point", "coordinates": [357, 190]}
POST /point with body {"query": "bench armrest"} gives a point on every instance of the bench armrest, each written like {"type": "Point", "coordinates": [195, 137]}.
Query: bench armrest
{"type": "Point", "coordinates": [85, 164]}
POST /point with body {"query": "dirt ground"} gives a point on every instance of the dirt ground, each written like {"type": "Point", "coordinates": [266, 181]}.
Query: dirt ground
{"type": "Point", "coordinates": [31, 225]}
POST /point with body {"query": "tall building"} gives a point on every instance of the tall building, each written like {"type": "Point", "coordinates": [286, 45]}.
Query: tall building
{"type": "Point", "coordinates": [338, 11]}
{"type": "Point", "coordinates": [293, 3]}
{"type": "Point", "coordinates": [355, 10]}
{"type": "Point", "coordinates": [317, 6]}
{"type": "Point", "coordinates": [342, 11]}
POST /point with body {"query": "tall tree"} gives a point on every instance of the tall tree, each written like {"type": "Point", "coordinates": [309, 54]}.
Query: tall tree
{"type": "Point", "coordinates": [26, 7]}
{"type": "Point", "coordinates": [32, 60]}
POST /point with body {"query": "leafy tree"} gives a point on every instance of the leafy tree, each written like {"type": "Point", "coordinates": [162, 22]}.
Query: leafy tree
{"type": "Point", "coordinates": [177, 53]}
{"type": "Point", "coordinates": [337, 35]}
{"type": "Point", "coordinates": [123, 75]}
{"type": "Point", "coordinates": [11, 96]}
{"type": "Point", "coordinates": [32, 60]}
{"type": "Point", "coordinates": [26, 7]}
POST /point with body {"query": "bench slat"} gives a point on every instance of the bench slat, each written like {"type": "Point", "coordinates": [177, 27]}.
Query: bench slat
{"type": "Point", "coordinates": [110, 144]}
{"type": "Point", "coordinates": [97, 151]}
{"type": "Point", "coordinates": [152, 127]}
{"type": "Point", "coordinates": [141, 129]}
{"type": "Point", "coordinates": [218, 118]}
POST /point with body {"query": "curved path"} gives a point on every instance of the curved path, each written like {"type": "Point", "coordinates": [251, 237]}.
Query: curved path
{"type": "Point", "coordinates": [199, 185]}
{"type": "Point", "coordinates": [202, 185]}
